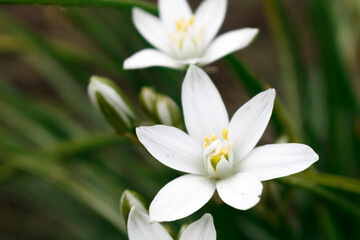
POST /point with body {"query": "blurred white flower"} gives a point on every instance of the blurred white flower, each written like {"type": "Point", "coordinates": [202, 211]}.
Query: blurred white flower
{"type": "Point", "coordinates": [218, 153]}
{"type": "Point", "coordinates": [141, 228]}
{"type": "Point", "coordinates": [182, 37]}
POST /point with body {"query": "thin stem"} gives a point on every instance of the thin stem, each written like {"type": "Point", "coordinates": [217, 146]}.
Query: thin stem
{"type": "Point", "coordinates": [330, 180]}
{"type": "Point", "coordinates": [323, 193]}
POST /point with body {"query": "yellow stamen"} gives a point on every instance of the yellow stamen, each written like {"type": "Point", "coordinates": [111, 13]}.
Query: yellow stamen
{"type": "Point", "coordinates": [223, 151]}
{"type": "Point", "coordinates": [207, 141]}
{"type": "Point", "coordinates": [191, 22]}
{"type": "Point", "coordinates": [213, 137]}
{"type": "Point", "coordinates": [182, 25]}
{"type": "Point", "coordinates": [225, 134]}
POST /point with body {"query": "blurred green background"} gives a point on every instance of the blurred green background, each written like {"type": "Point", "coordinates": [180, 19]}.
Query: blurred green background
{"type": "Point", "coordinates": [62, 169]}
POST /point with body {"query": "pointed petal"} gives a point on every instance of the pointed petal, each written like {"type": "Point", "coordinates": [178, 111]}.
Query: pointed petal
{"type": "Point", "coordinates": [278, 160]}
{"type": "Point", "coordinates": [223, 168]}
{"type": "Point", "coordinates": [152, 29]}
{"type": "Point", "coordinates": [172, 147]}
{"type": "Point", "coordinates": [202, 229]}
{"type": "Point", "coordinates": [241, 191]}
{"type": "Point", "coordinates": [140, 228]}
{"type": "Point", "coordinates": [151, 58]}
{"type": "Point", "coordinates": [189, 49]}
{"type": "Point", "coordinates": [227, 43]}
{"type": "Point", "coordinates": [181, 197]}
{"type": "Point", "coordinates": [204, 110]}
{"type": "Point", "coordinates": [209, 16]}
{"type": "Point", "coordinates": [171, 11]}
{"type": "Point", "coordinates": [249, 122]}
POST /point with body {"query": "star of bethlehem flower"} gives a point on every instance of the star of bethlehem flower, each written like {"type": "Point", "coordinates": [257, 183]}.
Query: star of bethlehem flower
{"type": "Point", "coordinates": [218, 154]}
{"type": "Point", "coordinates": [141, 228]}
{"type": "Point", "coordinates": [182, 37]}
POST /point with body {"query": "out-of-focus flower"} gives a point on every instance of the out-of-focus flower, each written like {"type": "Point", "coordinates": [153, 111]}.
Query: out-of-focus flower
{"type": "Point", "coordinates": [217, 153]}
{"type": "Point", "coordinates": [112, 103]}
{"type": "Point", "coordinates": [140, 227]}
{"type": "Point", "coordinates": [182, 37]}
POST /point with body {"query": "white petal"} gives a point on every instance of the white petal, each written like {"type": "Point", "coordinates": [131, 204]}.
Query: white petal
{"type": "Point", "coordinates": [249, 122]}
{"type": "Point", "coordinates": [209, 17]}
{"type": "Point", "coordinates": [202, 229]}
{"type": "Point", "coordinates": [204, 110]}
{"type": "Point", "coordinates": [171, 11]}
{"type": "Point", "coordinates": [241, 191]}
{"type": "Point", "coordinates": [181, 197]}
{"type": "Point", "coordinates": [152, 29]}
{"type": "Point", "coordinates": [151, 58]}
{"type": "Point", "coordinates": [172, 147]}
{"type": "Point", "coordinates": [278, 160]}
{"type": "Point", "coordinates": [223, 168]}
{"type": "Point", "coordinates": [140, 228]}
{"type": "Point", "coordinates": [227, 43]}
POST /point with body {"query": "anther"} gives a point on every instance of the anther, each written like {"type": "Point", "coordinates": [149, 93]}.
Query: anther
{"type": "Point", "coordinates": [213, 137]}
{"type": "Point", "coordinates": [207, 141]}
{"type": "Point", "coordinates": [192, 19]}
{"type": "Point", "coordinates": [223, 151]}
{"type": "Point", "coordinates": [225, 134]}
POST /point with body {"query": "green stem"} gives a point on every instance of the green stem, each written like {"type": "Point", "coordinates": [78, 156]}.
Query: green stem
{"type": "Point", "coordinates": [330, 180]}
{"type": "Point", "coordinates": [323, 193]}
{"type": "Point", "coordinates": [88, 3]}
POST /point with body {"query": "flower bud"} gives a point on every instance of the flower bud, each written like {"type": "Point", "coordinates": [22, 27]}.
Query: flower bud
{"type": "Point", "coordinates": [131, 199]}
{"type": "Point", "coordinates": [167, 112]}
{"type": "Point", "coordinates": [147, 99]}
{"type": "Point", "coordinates": [160, 108]}
{"type": "Point", "coordinates": [112, 103]}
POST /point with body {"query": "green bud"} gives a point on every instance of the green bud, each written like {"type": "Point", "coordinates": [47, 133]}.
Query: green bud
{"type": "Point", "coordinates": [108, 98]}
{"type": "Point", "coordinates": [131, 199]}
{"type": "Point", "coordinates": [147, 99]}
{"type": "Point", "coordinates": [160, 108]}
{"type": "Point", "coordinates": [167, 112]}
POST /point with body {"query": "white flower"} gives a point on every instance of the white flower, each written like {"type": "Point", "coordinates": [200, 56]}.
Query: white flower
{"type": "Point", "coordinates": [183, 37]}
{"type": "Point", "coordinates": [216, 153]}
{"type": "Point", "coordinates": [141, 228]}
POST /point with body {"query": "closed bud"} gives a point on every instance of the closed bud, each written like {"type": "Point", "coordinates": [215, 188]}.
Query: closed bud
{"type": "Point", "coordinates": [167, 112]}
{"type": "Point", "coordinates": [160, 108]}
{"type": "Point", "coordinates": [147, 100]}
{"type": "Point", "coordinates": [112, 103]}
{"type": "Point", "coordinates": [131, 199]}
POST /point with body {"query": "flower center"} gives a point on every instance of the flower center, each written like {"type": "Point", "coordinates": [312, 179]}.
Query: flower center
{"type": "Point", "coordinates": [217, 149]}
{"type": "Point", "coordinates": [182, 25]}
{"type": "Point", "coordinates": [186, 37]}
